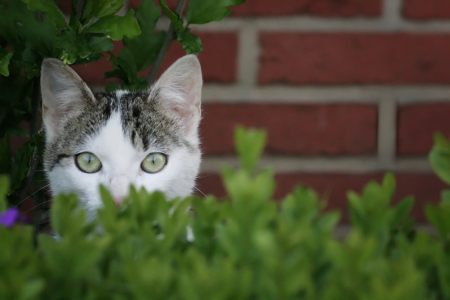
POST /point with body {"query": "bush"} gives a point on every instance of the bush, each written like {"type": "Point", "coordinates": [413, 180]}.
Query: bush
{"type": "Point", "coordinates": [244, 247]}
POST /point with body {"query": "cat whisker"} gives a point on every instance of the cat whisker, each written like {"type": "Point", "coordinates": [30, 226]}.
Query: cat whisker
{"type": "Point", "coordinates": [32, 194]}
{"type": "Point", "coordinates": [200, 191]}
{"type": "Point", "coordinates": [37, 206]}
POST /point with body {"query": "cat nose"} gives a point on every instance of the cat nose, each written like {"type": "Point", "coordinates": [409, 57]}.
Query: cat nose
{"type": "Point", "coordinates": [119, 186]}
{"type": "Point", "coordinates": [118, 201]}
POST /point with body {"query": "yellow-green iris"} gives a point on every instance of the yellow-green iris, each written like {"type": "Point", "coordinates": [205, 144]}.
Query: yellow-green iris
{"type": "Point", "coordinates": [88, 162]}
{"type": "Point", "coordinates": [154, 162]}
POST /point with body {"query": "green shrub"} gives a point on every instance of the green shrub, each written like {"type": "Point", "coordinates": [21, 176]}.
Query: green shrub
{"type": "Point", "coordinates": [245, 247]}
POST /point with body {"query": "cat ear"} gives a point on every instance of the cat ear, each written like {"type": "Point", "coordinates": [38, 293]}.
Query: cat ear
{"type": "Point", "coordinates": [179, 92]}
{"type": "Point", "coordinates": [63, 95]}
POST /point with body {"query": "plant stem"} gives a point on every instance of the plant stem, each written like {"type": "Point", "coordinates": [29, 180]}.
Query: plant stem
{"type": "Point", "coordinates": [165, 46]}
{"type": "Point", "coordinates": [80, 9]}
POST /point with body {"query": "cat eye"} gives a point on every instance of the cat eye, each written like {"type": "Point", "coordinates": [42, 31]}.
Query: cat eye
{"type": "Point", "coordinates": [154, 162]}
{"type": "Point", "coordinates": [88, 162]}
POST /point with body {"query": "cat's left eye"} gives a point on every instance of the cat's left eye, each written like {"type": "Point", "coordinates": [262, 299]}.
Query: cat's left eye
{"type": "Point", "coordinates": [88, 162]}
{"type": "Point", "coordinates": [154, 162]}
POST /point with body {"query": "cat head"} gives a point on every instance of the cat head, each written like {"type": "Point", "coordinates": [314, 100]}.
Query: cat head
{"type": "Point", "coordinates": [148, 139]}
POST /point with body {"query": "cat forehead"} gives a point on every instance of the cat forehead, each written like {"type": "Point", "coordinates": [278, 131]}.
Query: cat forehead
{"type": "Point", "coordinates": [142, 122]}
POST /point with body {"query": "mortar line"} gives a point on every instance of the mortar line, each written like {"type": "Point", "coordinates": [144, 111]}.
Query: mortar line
{"type": "Point", "coordinates": [302, 164]}
{"type": "Point", "coordinates": [248, 55]}
{"type": "Point", "coordinates": [387, 128]}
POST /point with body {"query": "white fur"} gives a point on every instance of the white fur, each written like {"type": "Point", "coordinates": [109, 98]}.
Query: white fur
{"type": "Point", "coordinates": [121, 166]}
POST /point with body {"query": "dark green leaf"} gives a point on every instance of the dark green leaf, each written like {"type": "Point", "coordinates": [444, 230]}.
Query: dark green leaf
{"type": "Point", "coordinates": [101, 8]}
{"type": "Point", "coordinates": [5, 156]}
{"type": "Point", "coordinates": [52, 10]}
{"type": "Point", "coordinates": [177, 22]}
{"type": "Point", "coordinates": [191, 43]}
{"type": "Point", "coordinates": [81, 48]}
{"type": "Point", "coordinates": [401, 211]}
{"type": "Point", "coordinates": [21, 165]}
{"type": "Point", "coordinates": [116, 27]}
{"type": "Point", "coordinates": [141, 51]}
{"type": "Point", "coordinates": [205, 11]}
{"type": "Point", "coordinates": [111, 86]}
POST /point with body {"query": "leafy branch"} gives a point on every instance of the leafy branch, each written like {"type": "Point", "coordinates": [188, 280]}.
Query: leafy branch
{"type": "Point", "coordinates": [170, 37]}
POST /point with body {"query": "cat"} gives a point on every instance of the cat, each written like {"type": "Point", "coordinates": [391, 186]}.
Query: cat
{"type": "Point", "coordinates": [146, 138]}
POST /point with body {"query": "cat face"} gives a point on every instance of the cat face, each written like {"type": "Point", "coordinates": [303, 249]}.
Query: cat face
{"type": "Point", "coordinates": [148, 139]}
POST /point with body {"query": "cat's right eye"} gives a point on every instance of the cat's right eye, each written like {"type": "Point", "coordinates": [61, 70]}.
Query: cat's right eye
{"type": "Point", "coordinates": [88, 162]}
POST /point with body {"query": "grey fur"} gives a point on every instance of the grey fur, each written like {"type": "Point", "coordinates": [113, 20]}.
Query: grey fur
{"type": "Point", "coordinates": [143, 120]}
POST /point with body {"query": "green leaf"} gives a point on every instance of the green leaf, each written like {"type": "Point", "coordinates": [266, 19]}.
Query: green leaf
{"type": "Point", "coordinates": [249, 146]}
{"type": "Point", "coordinates": [111, 86]}
{"type": "Point", "coordinates": [401, 211]}
{"type": "Point", "coordinates": [4, 191]}
{"type": "Point", "coordinates": [4, 62]}
{"type": "Point", "coordinates": [191, 43]}
{"type": "Point", "coordinates": [116, 27]}
{"type": "Point", "coordinates": [388, 185]}
{"type": "Point", "coordinates": [439, 157]}
{"type": "Point", "coordinates": [78, 48]}
{"type": "Point", "coordinates": [101, 8]}
{"type": "Point", "coordinates": [21, 27]}
{"type": "Point", "coordinates": [52, 10]}
{"type": "Point", "coordinates": [21, 165]}
{"type": "Point", "coordinates": [205, 11]}
{"type": "Point", "coordinates": [177, 22]}
{"type": "Point", "coordinates": [141, 51]}
{"type": "Point", "coordinates": [5, 156]}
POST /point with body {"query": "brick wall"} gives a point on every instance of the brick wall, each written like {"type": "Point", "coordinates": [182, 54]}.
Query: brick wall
{"type": "Point", "coordinates": [346, 89]}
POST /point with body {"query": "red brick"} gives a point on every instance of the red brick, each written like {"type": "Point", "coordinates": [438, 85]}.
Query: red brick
{"type": "Point", "coordinates": [398, 58]}
{"type": "Point", "coordinates": [93, 73]}
{"type": "Point", "coordinates": [218, 60]}
{"type": "Point", "coordinates": [426, 9]}
{"type": "Point", "coordinates": [333, 187]}
{"type": "Point", "coordinates": [294, 129]}
{"type": "Point", "coordinates": [65, 6]}
{"type": "Point", "coordinates": [417, 124]}
{"type": "Point", "coordinates": [327, 8]}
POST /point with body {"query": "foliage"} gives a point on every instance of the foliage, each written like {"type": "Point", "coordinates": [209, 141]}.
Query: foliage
{"type": "Point", "coordinates": [245, 247]}
{"type": "Point", "coordinates": [31, 30]}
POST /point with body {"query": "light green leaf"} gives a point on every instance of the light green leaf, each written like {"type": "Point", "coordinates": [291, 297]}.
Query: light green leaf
{"type": "Point", "coordinates": [249, 146]}
{"type": "Point", "coordinates": [388, 185]}
{"type": "Point", "coordinates": [4, 191]}
{"type": "Point", "coordinates": [116, 27]}
{"type": "Point", "coordinates": [205, 11]}
{"type": "Point", "coordinates": [439, 157]}
{"type": "Point", "coordinates": [4, 62]}
{"type": "Point", "coordinates": [52, 10]}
